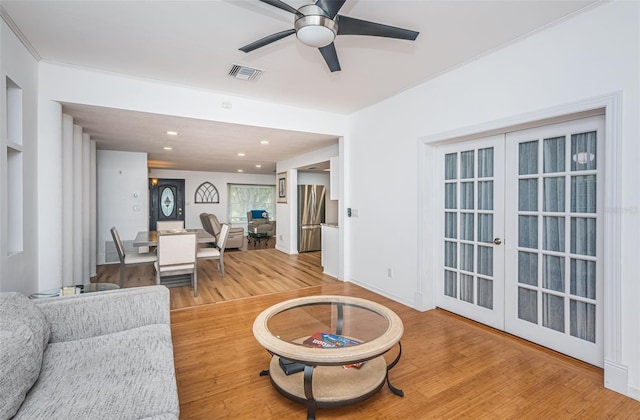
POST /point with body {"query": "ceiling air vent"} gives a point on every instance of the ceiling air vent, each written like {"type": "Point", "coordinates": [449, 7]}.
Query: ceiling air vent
{"type": "Point", "coordinates": [244, 72]}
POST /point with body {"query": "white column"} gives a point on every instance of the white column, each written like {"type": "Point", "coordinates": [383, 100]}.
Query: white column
{"type": "Point", "coordinates": [93, 220]}
{"type": "Point", "coordinates": [77, 205]}
{"type": "Point", "coordinates": [86, 207]}
{"type": "Point", "coordinates": [67, 200]}
{"type": "Point", "coordinates": [49, 187]}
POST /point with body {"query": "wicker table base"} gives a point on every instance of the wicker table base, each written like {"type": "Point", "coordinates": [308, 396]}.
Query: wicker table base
{"type": "Point", "coordinates": [333, 386]}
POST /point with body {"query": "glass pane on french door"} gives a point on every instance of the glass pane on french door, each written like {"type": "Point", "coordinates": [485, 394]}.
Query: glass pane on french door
{"type": "Point", "coordinates": [471, 203]}
{"type": "Point", "coordinates": [554, 293]}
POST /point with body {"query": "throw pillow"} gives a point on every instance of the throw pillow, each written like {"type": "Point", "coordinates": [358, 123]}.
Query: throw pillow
{"type": "Point", "coordinates": [257, 214]}
{"type": "Point", "coordinates": [24, 334]}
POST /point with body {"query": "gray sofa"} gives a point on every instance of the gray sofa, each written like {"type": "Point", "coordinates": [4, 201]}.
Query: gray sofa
{"type": "Point", "coordinates": [103, 355]}
{"type": "Point", "coordinates": [258, 222]}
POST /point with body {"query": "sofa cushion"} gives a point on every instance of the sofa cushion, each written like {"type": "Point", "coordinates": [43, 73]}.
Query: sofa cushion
{"type": "Point", "coordinates": [123, 375]}
{"type": "Point", "coordinates": [24, 334]}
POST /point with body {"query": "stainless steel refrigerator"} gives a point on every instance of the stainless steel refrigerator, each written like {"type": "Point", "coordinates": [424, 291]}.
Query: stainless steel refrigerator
{"type": "Point", "coordinates": [310, 215]}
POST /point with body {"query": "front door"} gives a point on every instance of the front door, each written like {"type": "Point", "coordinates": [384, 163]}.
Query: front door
{"type": "Point", "coordinates": [166, 198]}
{"type": "Point", "coordinates": [521, 244]}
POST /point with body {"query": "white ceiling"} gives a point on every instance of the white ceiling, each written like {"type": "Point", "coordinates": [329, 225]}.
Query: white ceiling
{"type": "Point", "coordinates": [199, 146]}
{"type": "Point", "coordinates": [195, 43]}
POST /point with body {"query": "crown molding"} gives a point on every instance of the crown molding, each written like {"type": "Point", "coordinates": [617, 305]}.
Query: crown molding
{"type": "Point", "coordinates": [14, 28]}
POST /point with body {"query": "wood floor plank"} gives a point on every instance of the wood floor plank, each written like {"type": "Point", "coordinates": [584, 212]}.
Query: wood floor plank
{"type": "Point", "coordinates": [451, 367]}
{"type": "Point", "coordinates": [247, 273]}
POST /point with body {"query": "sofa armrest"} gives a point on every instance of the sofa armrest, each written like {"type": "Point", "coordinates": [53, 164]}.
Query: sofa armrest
{"type": "Point", "coordinates": [99, 313]}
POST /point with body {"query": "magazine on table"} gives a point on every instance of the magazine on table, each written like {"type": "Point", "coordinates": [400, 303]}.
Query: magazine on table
{"type": "Point", "coordinates": [327, 340]}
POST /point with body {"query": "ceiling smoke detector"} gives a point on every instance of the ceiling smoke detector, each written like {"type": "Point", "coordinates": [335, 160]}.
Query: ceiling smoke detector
{"type": "Point", "coordinates": [245, 73]}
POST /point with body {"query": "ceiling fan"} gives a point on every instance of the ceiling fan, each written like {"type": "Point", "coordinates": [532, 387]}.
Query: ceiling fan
{"type": "Point", "coordinates": [317, 25]}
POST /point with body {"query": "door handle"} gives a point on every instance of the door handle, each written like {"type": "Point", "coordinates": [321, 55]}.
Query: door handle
{"type": "Point", "coordinates": [497, 241]}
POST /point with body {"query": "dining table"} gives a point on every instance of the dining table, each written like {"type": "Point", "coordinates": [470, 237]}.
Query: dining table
{"type": "Point", "coordinates": [150, 237]}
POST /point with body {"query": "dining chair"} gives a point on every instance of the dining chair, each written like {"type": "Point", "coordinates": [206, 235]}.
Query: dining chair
{"type": "Point", "coordinates": [177, 255]}
{"type": "Point", "coordinates": [130, 259]}
{"type": "Point", "coordinates": [169, 225]}
{"type": "Point", "coordinates": [216, 253]}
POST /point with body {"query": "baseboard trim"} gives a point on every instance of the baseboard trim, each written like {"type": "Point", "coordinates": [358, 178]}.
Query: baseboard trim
{"type": "Point", "coordinates": [616, 377]}
{"type": "Point", "coordinates": [384, 293]}
{"type": "Point", "coordinates": [285, 250]}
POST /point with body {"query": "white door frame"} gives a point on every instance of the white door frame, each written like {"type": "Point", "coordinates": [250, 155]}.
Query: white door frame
{"type": "Point", "coordinates": [615, 372]}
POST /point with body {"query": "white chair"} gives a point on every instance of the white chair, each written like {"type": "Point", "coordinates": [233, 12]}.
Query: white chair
{"type": "Point", "coordinates": [177, 255]}
{"type": "Point", "coordinates": [131, 259]}
{"type": "Point", "coordinates": [169, 225]}
{"type": "Point", "coordinates": [216, 253]}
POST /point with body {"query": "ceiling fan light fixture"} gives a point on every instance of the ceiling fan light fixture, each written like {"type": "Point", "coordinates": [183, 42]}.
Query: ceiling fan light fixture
{"type": "Point", "coordinates": [315, 30]}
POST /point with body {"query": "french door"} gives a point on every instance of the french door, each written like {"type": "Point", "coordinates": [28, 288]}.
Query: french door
{"type": "Point", "coordinates": [472, 214]}
{"type": "Point", "coordinates": [521, 243]}
{"type": "Point", "coordinates": [556, 228]}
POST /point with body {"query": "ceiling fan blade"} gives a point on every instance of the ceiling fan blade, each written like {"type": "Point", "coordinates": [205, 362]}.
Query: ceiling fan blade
{"type": "Point", "coordinates": [351, 26]}
{"type": "Point", "coordinates": [267, 40]}
{"type": "Point", "coordinates": [331, 57]}
{"type": "Point", "coordinates": [281, 5]}
{"type": "Point", "coordinates": [332, 7]}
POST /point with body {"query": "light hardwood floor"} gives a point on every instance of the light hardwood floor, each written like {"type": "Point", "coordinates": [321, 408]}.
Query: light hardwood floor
{"type": "Point", "coordinates": [247, 273]}
{"type": "Point", "coordinates": [450, 367]}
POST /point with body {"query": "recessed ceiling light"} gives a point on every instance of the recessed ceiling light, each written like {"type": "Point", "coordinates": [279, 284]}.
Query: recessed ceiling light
{"type": "Point", "coordinates": [172, 133]}
{"type": "Point", "coordinates": [258, 166]}
{"type": "Point", "coordinates": [241, 154]}
{"type": "Point", "coordinates": [264, 141]}
{"type": "Point", "coordinates": [167, 148]}
{"type": "Point", "coordinates": [240, 170]}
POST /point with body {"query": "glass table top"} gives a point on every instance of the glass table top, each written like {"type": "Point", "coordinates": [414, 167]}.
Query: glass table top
{"type": "Point", "coordinates": [328, 329]}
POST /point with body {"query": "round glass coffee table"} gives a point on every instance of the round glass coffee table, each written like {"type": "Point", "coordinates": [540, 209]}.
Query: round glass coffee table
{"type": "Point", "coordinates": [327, 351]}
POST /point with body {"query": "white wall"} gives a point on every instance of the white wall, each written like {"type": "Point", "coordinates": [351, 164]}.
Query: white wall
{"type": "Point", "coordinates": [19, 271]}
{"type": "Point", "coordinates": [122, 190]}
{"type": "Point", "coordinates": [77, 85]}
{"type": "Point", "coordinates": [591, 54]}
{"type": "Point", "coordinates": [220, 180]}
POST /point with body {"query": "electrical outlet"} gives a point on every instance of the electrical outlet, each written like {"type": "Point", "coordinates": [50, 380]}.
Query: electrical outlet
{"type": "Point", "coordinates": [389, 273]}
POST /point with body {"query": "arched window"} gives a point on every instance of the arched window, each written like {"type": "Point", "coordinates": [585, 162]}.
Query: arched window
{"type": "Point", "coordinates": [207, 193]}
